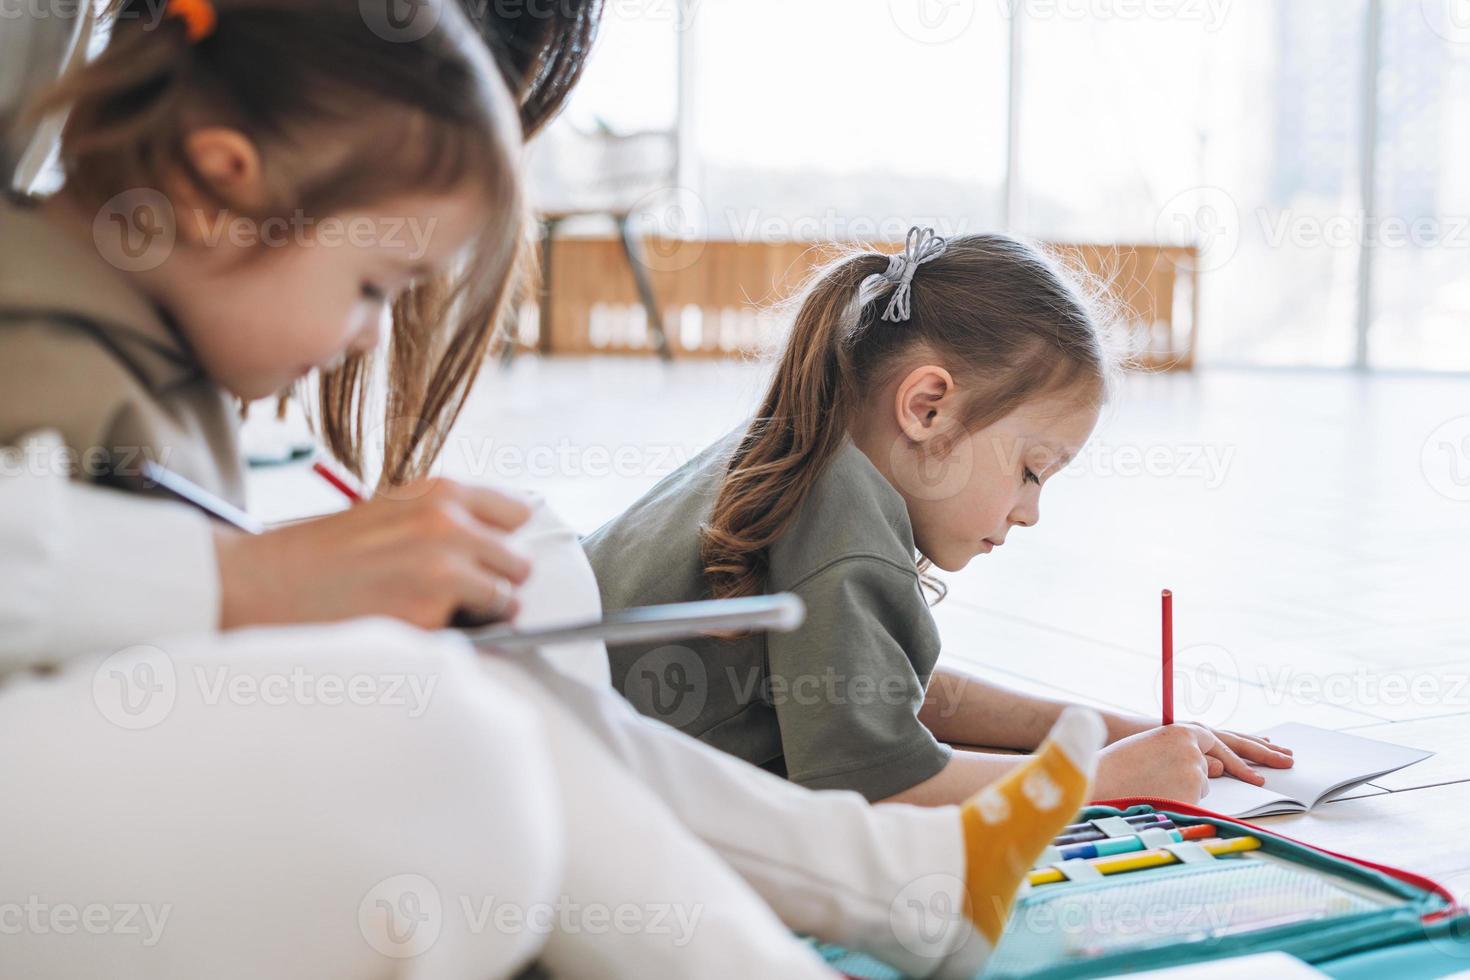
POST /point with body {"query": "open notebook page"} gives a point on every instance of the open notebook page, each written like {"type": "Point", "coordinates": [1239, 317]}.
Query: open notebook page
{"type": "Point", "coordinates": [1326, 763]}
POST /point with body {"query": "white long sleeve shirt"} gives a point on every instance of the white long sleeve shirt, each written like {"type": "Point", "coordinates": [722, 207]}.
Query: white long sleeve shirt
{"type": "Point", "coordinates": [85, 569]}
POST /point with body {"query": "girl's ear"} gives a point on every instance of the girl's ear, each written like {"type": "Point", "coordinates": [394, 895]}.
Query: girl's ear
{"type": "Point", "coordinates": [925, 403]}
{"type": "Point", "coordinates": [229, 163]}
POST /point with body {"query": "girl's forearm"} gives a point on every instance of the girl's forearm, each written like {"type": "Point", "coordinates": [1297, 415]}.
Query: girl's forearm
{"type": "Point", "coordinates": [962, 777]}
{"type": "Point", "coordinates": [961, 708]}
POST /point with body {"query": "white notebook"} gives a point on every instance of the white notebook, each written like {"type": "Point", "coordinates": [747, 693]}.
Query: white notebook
{"type": "Point", "coordinates": [1327, 765]}
{"type": "Point", "coordinates": [1278, 966]}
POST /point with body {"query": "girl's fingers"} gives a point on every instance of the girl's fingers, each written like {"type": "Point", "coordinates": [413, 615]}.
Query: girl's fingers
{"type": "Point", "coordinates": [490, 549]}
{"type": "Point", "coordinates": [494, 508]}
{"type": "Point", "coordinates": [1256, 751]}
{"type": "Point", "coordinates": [1259, 740]}
{"type": "Point", "coordinates": [1215, 766]}
{"type": "Point", "coordinates": [483, 597]}
{"type": "Point", "coordinates": [1233, 764]}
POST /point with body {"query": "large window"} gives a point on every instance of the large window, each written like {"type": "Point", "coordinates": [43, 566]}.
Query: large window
{"type": "Point", "coordinates": [1230, 126]}
{"type": "Point", "coordinates": [843, 119]}
{"type": "Point", "coordinates": [631, 82]}
{"type": "Point", "coordinates": [1315, 150]}
{"type": "Point", "coordinates": [1420, 303]}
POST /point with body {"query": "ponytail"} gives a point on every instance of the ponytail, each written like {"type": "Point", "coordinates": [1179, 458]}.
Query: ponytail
{"type": "Point", "coordinates": [802, 421]}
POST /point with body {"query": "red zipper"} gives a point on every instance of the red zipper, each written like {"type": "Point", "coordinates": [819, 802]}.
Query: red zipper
{"type": "Point", "coordinates": [1408, 877]}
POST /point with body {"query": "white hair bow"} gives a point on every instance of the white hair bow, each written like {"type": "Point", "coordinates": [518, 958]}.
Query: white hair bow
{"type": "Point", "coordinates": [921, 246]}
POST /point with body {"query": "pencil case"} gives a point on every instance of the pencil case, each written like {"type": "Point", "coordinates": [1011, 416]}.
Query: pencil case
{"type": "Point", "coordinates": [1349, 918]}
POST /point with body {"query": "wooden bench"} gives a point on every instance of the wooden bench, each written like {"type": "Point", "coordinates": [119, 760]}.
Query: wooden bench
{"type": "Point", "coordinates": [716, 298]}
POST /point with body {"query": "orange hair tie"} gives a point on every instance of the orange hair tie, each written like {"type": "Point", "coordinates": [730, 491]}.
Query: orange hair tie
{"type": "Point", "coordinates": [198, 16]}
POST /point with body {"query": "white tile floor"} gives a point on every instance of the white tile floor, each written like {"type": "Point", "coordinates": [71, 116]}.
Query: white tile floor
{"type": "Point", "coordinates": [1315, 528]}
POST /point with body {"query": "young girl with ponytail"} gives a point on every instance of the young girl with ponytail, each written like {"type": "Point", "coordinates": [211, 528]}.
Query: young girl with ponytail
{"type": "Point", "coordinates": [922, 402]}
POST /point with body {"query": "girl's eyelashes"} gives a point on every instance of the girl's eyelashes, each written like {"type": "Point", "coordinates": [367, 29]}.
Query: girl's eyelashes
{"type": "Point", "coordinates": [1027, 476]}
{"type": "Point", "coordinates": [373, 294]}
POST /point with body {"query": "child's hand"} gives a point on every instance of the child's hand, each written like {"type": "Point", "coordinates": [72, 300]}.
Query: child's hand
{"type": "Point", "coordinates": [418, 554]}
{"type": "Point", "coordinates": [1226, 756]}
{"type": "Point", "coordinates": [1252, 748]}
{"type": "Point", "coordinates": [1173, 763]}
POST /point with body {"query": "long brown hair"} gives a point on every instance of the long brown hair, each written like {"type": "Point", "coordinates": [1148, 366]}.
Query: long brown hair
{"type": "Point", "coordinates": [1000, 314]}
{"type": "Point", "coordinates": [541, 51]}
{"type": "Point", "coordinates": [399, 114]}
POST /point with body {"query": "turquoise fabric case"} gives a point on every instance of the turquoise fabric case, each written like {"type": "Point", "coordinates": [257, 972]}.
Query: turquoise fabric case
{"type": "Point", "coordinates": [1422, 933]}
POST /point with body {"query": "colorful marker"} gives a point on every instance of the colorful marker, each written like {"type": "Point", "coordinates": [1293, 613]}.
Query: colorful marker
{"type": "Point", "coordinates": [1123, 845]}
{"type": "Point", "coordinates": [1137, 818]}
{"type": "Point", "coordinates": [1089, 836]}
{"type": "Point", "coordinates": [1148, 859]}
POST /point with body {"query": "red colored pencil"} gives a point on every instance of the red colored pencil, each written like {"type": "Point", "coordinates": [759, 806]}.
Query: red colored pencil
{"type": "Point", "coordinates": [325, 472]}
{"type": "Point", "coordinates": [1168, 639]}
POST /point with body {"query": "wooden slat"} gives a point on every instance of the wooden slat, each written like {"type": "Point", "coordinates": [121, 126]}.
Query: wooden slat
{"type": "Point", "coordinates": [729, 283]}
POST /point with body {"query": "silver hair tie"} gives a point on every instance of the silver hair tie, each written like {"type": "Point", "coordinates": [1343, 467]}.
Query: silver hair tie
{"type": "Point", "coordinates": [921, 246]}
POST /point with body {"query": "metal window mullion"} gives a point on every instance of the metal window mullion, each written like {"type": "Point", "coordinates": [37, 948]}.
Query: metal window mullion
{"type": "Point", "coordinates": [685, 171]}
{"type": "Point", "coordinates": [1011, 201]}
{"type": "Point", "coordinates": [1368, 177]}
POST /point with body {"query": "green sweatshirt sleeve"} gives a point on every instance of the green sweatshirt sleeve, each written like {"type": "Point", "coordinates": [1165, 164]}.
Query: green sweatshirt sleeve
{"type": "Point", "coordinates": [847, 686]}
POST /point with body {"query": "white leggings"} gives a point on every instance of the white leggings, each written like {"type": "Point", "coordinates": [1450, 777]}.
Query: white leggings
{"type": "Point", "coordinates": [359, 801]}
{"type": "Point", "coordinates": [885, 879]}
